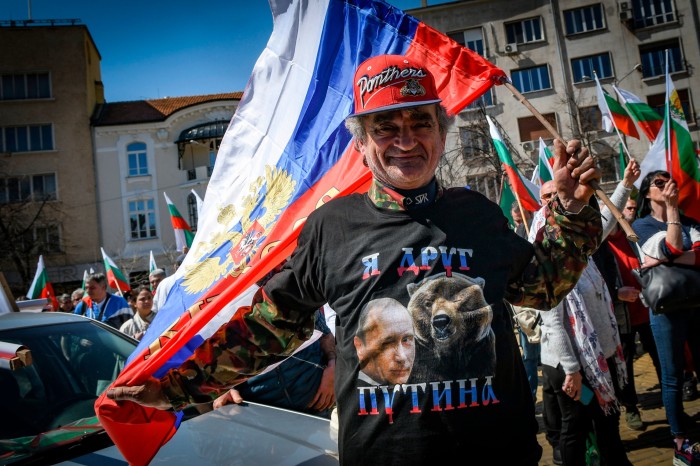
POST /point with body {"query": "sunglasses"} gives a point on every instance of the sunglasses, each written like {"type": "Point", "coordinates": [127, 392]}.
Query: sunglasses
{"type": "Point", "coordinates": [547, 195]}
{"type": "Point", "coordinates": [659, 183]}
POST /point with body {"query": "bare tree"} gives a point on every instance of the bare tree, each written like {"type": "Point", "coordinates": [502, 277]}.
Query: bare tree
{"type": "Point", "coordinates": [474, 161]}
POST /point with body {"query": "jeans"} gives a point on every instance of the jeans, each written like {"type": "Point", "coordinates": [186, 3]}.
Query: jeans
{"type": "Point", "coordinates": [670, 333]}
{"type": "Point", "coordinates": [531, 359]}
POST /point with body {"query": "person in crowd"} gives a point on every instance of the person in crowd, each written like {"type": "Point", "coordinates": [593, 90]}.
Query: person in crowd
{"type": "Point", "coordinates": [155, 277]}
{"type": "Point", "coordinates": [574, 336]}
{"type": "Point", "coordinates": [531, 351]}
{"type": "Point", "coordinates": [76, 296]}
{"type": "Point", "coordinates": [632, 315]}
{"type": "Point", "coordinates": [361, 247]}
{"type": "Point", "coordinates": [144, 315]}
{"type": "Point", "coordinates": [65, 304]}
{"type": "Point", "coordinates": [103, 306]}
{"type": "Point", "coordinates": [385, 342]}
{"type": "Point", "coordinates": [303, 382]}
{"type": "Point", "coordinates": [163, 286]}
{"type": "Point", "coordinates": [665, 235]}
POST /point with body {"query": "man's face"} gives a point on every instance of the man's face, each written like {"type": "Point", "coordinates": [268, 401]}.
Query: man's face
{"type": "Point", "coordinates": [517, 218]}
{"type": "Point", "coordinates": [630, 210]}
{"type": "Point", "coordinates": [65, 304]}
{"type": "Point", "coordinates": [389, 349]}
{"type": "Point", "coordinates": [96, 291]}
{"type": "Point", "coordinates": [154, 280]}
{"type": "Point", "coordinates": [547, 190]}
{"type": "Point", "coordinates": [403, 147]}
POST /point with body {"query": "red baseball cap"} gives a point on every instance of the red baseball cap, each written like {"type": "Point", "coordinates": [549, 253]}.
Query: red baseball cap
{"type": "Point", "coordinates": [391, 82]}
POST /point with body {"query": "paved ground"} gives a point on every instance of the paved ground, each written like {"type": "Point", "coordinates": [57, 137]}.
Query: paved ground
{"type": "Point", "coordinates": [653, 446]}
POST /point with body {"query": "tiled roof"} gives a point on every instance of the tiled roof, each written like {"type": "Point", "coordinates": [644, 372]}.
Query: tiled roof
{"type": "Point", "coordinates": [146, 111]}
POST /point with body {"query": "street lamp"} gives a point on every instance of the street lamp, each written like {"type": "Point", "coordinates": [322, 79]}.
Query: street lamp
{"type": "Point", "coordinates": [636, 67]}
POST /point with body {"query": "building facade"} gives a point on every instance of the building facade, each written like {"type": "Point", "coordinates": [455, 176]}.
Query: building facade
{"type": "Point", "coordinates": [50, 83]}
{"type": "Point", "coordinates": [550, 49]}
{"type": "Point", "coordinates": [144, 149]}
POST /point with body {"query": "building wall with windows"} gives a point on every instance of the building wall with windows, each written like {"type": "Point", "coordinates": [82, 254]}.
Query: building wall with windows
{"type": "Point", "coordinates": [549, 49]}
{"type": "Point", "coordinates": [50, 82]}
{"type": "Point", "coordinates": [142, 150]}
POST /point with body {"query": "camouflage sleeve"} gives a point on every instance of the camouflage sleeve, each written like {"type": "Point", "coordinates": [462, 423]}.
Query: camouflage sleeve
{"type": "Point", "coordinates": [562, 247]}
{"type": "Point", "coordinates": [253, 339]}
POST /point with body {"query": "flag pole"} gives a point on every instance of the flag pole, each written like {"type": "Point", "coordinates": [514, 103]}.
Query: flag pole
{"type": "Point", "coordinates": [631, 235]}
{"type": "Point", "coordinates": [517, 198]}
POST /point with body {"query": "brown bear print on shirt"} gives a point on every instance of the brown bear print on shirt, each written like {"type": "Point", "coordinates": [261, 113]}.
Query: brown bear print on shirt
{"type": "Point", "coordinates": [452, 320]}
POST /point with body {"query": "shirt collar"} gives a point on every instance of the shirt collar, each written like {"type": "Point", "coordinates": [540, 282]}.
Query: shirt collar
{"type": "Point", "coordinates": [387, 198]}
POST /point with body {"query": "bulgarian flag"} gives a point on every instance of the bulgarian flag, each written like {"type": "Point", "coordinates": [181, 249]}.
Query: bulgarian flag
{"type": "Point", "coordinates": [115, 278]}
{"type": "Point", "coordinates": [527, 192]}
{"type": "Point", "coordinates": [681, 160]}
{"type": "Point", "coordinates": [41, 286]}
{"type": "Point", "coordinates": [545, 164]}
{"type": "Point", "coordinates": [183, 232]}
{"type": "Point", "coordinates": [646, 117]}
{"type": "Point", "coordinates": [614, 114]}
{"type": "Point", "coordinates": [673, 151]}
{"type": "Point", "coordinates": [506, 201]}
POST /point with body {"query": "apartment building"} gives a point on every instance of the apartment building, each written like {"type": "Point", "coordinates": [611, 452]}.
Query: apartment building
{"type": "Point", "coordinates": [550, 50]}
{"type": "Point", "coordinates": [50, 83]}
{"type": "Point", "coordinates": [144, 149]}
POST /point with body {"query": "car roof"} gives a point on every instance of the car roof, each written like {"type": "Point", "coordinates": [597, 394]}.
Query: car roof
{"type": "Point", "coordinates": [14, 320]}
{"type": "Point", "coordinates": [250, 433]}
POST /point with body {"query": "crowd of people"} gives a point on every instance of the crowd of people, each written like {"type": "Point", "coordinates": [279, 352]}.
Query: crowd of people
{"type": "Point", "coordinates": [422, 360]}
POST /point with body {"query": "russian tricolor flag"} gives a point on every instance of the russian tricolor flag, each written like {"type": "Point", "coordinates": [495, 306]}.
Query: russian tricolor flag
{"type": "Point", "coordinates": [286, 152]}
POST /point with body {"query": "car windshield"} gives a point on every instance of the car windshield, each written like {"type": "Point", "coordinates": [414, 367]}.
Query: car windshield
{"type": "Point", "coordinates": [51, 401]}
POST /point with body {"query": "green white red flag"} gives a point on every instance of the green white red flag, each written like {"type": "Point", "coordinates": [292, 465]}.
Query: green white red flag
{"type": "Point", "coordinates": [115, 278]}
{"type": "Point", "coordinates": [523, 189]}
{"type": "Point", "coordinates": [183, 232]}
{"type": "Point", "coordinates": [614, 115]}
{"type": "Point", "coordinates": [545, 164]}
{"type": "Point", "coordinates": [41, 286]}
{"type": "Point", "coordinates": [647, 118]}
{"type": "Point", "coordinates": [673, 151]}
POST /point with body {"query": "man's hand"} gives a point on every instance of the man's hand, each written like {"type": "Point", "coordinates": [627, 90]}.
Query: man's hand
{"type": "Point", "coordinates": [231, 396]}
{"type": "Point", "coordinates": [148, 394]}
{"type": "Point", "coordinates": [325, 395]}
{"type": "Point", "coordinates": [574, 168]}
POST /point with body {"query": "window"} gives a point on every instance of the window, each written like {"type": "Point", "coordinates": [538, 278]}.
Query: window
{"type": "Point", "coordinates": [654, 58]}
{"type": "Point", "coordinates": [583, 67]}
{"type": "Point", "coordinates": [531, 129]}
{"type": "Point", "coordinates": [522, 32]}
{"type": "Point", "coordinates": [138, 161]}
{"type": "Point", "coordinates": [591, 119]}
{"type": "Point", "coordinates": [192, 211]}
{"type": "Point", "coordinates": [657, 102]}
{"type": "Point", "coordinates": [586, 19]}
{"type": "Point", "coordinates": [25, 86]}
{"type": "Point", "coordinates": [28, 188]}
{"type": "Point", "coordinates": [474, 143]}
{"type": "Point", "coordinates": [142, 218]}
{"type": "Point", "coordinates": [652, 12]}
{"type": "Point", "coordinates": [47, 238]}
{"type": "Point", "coordinates": [26, 138]}
{"type": "Point", "coordinates": [531, 79]}
{"type": "Point", "coordinates": [473, 39]}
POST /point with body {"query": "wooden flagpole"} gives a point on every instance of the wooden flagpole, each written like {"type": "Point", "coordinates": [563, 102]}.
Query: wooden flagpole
{"type": "Point", "coordinates": [631, 235]}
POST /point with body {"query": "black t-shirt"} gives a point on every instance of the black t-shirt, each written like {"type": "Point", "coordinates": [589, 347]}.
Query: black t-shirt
{"type": "Point", "coordinates": [468, 395]}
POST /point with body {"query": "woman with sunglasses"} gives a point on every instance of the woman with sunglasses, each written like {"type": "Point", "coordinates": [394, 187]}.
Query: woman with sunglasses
{"type": "Point", "coordinates": [665, 235]}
